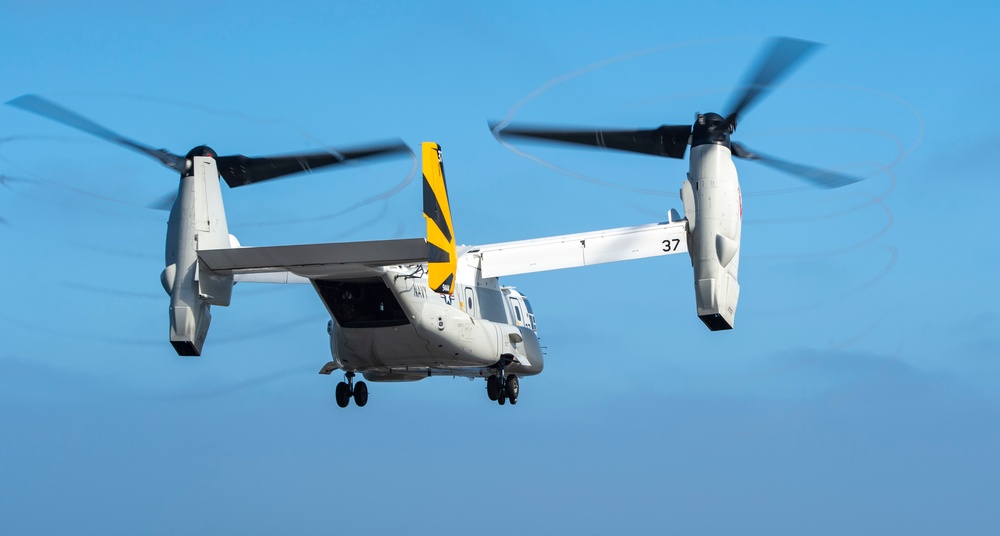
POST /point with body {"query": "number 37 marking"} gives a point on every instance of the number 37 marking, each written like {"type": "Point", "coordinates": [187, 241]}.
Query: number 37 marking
{"type": "Point", "coordinates": [671, 245]}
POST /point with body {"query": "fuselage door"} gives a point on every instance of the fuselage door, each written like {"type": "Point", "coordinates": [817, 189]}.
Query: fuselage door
{"type": "Point", "coordinates": [515, 306]}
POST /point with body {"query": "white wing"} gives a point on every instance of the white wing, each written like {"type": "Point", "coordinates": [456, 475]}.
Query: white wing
{"type": "Point", "coordinates": [312, 261]}
{"type": "Point", "coordinates": [582, 249]}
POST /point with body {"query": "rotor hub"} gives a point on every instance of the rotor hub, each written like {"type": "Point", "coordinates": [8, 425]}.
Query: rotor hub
{"type": "Point", "coordinates": [201, 150]}
{"type": "Point", "coordinates": [711, 128]}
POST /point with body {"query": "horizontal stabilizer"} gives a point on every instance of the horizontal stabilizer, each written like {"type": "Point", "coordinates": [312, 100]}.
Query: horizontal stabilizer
{"type": "Point", "coordinates": [316, 260]}
{"type": "Point", "coordinates": [582, 249]}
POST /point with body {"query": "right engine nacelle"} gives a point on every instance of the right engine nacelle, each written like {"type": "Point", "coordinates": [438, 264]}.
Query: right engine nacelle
{"type": "Point", "coordinates": [714, 208]}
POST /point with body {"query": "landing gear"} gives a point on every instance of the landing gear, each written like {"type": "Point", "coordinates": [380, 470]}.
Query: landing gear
{"type": "Point", "coordinates": [361, 394]}
{"type": "Point", "coordinates": [512, 387]}
{"type": "Point", "coordinates": [343, 394]}
{"type": "Point", "coordinates": [348, 389]}
{"type": "Point", "coordinates": [503, 389]}
{"type": "Point", "coordinates": [493, 387]}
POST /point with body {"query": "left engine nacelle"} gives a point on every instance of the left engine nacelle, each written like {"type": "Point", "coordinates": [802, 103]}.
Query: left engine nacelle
{"type": "Point", "coordinates": [197, 221]}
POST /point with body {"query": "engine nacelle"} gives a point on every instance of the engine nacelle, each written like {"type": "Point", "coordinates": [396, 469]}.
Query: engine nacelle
{"type": "Point", "coordinates": [712, 193]}
{"type": "Point", "coordinates": [197, 221]}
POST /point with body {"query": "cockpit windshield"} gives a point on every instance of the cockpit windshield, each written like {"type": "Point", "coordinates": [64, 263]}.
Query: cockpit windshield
{"type": "Point", "coordinates": [531, 314]}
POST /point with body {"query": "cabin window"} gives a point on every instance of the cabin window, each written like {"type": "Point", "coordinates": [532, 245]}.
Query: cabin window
{"type": "Point", "coordinates": [470, 301]}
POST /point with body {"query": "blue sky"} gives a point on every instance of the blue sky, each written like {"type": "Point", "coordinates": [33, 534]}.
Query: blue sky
{"type": "Point", "coordinates": [858, 393]}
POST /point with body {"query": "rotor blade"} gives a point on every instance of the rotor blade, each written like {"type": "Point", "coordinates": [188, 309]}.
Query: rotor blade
{"type": "Point", "coordinates": [819, 177]}
{"type": "Point", "coordinates": [51, 110]}
{"type": "Point", "coordinates": [670, 141]}
{"type": "Point", "coordinates": [776, 63]}
{"type": "Point", "coordinates": [239, 170]}
{"type": "Point", "coordinates": [164, 202]}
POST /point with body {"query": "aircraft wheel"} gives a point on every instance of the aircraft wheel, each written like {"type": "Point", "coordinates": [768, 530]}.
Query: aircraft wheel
{"type": "Point", "coordinates": [502, 399]}
{"type": "Point", "coordinates": [361, 394]}
{"type": "Point", "coordinates": [493, 387]}
{"type": "Point", "coordinates": [512, 388]}
{"type": "Point", "coordinates": [343, 394]}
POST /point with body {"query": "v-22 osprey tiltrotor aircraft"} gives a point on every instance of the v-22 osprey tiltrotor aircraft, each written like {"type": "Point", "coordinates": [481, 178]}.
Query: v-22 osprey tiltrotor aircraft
{"type": "Point", "coordinates": [408, 309]}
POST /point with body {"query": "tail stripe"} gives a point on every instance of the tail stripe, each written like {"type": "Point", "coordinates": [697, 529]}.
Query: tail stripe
{"type": "Point", "coordinates": [441, 252]}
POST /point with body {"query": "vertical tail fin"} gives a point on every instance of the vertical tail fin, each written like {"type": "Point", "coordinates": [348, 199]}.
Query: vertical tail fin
{"type": "Point", "coordinates": [441, 253]}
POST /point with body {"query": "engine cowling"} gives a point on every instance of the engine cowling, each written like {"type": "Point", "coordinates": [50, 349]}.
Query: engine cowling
{"type": "Point", "coordinates": [197, 221]}
{"type": "Point", "coordinates": [712, 194]}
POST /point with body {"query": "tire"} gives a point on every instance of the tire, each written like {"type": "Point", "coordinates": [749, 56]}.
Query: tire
{"type": "Point", "coordinates": [361, 394]}
{"type": "Point", "coordinates": [493, 387]}
{"type": "Point", "coordinates": [343, 395]}
{"type": "Point", "coordinates": [501, 399]}
{"type": "Point", "coordinates": [512, 389]}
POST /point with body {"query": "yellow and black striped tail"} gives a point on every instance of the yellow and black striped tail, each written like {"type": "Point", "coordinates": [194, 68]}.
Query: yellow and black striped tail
{"type": "Point", "coordinates": [441, 254]}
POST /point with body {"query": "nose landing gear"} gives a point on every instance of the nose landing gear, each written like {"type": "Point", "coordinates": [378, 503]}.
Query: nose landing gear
{"type": "Point", "coordinates": [346, 390]}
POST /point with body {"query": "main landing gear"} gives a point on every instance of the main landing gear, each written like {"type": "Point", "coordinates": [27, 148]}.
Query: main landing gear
{"type": "Point", "coordinates": [502, 389]}
{"type": "Point", "coordinates": [347, 390]}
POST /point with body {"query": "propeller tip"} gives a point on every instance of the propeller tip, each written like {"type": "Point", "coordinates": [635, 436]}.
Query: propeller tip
{"type": "Point", "coordinates": [496, 127]}
{"type": "Point", "coordinates": [16, 100]}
